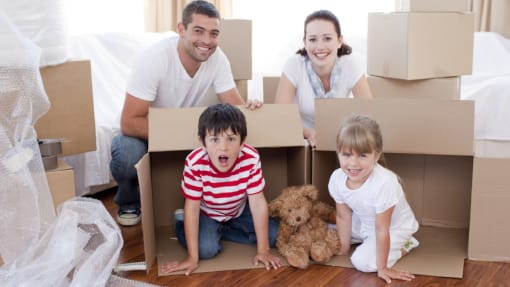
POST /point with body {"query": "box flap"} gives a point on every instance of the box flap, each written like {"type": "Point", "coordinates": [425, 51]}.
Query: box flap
{"type": "Point", "coordinates": [272, 125]}
{"type": "Point", "coordinates": [149, 235]}
{"type": "Point", "coordinates": [71, 115]}
{"type": "Point", "coordinates": [415, 126]}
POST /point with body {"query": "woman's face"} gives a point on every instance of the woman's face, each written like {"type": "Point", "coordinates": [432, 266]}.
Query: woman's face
{"type": "Point", "coordinates": [322, 42]}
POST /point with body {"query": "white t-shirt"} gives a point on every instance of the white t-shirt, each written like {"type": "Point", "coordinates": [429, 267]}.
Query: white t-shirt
{"type": "Point", "coordinates": [380, 191]}
{"type": "Point", "coordinates": [295, 70]}
{"type": "Point", "coordinates": [158, 76]}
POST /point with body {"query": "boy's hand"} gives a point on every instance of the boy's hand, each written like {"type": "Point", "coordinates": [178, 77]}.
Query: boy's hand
{"type": "Point", "coordinates": [189, 265]}
{"type": "Point", "coordinates": [268, 260]}
{"type": "Point", "coordinates": [387, 274]}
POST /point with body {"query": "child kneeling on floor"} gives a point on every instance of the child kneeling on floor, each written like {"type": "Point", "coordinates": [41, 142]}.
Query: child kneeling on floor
{"type": "Point", "coordinates": [223, 188]}
{"type": "Point", "coordinates": [371, 207]}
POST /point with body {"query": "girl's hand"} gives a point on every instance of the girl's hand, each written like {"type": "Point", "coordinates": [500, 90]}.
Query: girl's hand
{"type": "Point", "coordinates": [388, 273]}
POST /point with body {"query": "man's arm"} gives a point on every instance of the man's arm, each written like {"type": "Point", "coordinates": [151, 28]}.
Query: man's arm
{"type": "Point", "coordinates": [233, 97]}
{"type": "Point", "coordinates": [134, 120]}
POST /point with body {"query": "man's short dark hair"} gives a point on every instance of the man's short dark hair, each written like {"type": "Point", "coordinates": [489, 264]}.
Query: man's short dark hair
{"type": "Point", "coordinates": [219, 118]}
{"type": "Point", "coordinates": [198, 7]}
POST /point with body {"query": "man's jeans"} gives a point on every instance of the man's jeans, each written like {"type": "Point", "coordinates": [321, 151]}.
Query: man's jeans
{"type": "Point", "coordinates": [239, 230]}
{"type": "Point", "coordinates": [126, 152]}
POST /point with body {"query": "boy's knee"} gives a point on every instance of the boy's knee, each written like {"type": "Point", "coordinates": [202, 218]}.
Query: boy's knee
{"type": "Point", "coordinates": [208, 251]}
{"type": "Point", "coordinates": [273, 231]}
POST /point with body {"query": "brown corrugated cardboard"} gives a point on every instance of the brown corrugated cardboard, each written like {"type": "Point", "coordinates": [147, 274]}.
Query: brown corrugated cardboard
{"type": "Point", "coordinates": [270, 85]}
{"type": "Point", "coordinates": [489, 231]}
{"type": "Point", "coordinates": [236, 43]}
{"type": "Point", "coordinates": [71, 115]}
{"type": "Point", "coordinates": [437, 185]}
{"type": "Point", "coordinates": [433, 5]}
{"type": "Point", "coordinates": [418, 45]}
{"type": "Point", "coordinates": [438, 88]}
{"type": "Point", "coordinates": [276, 132]}
{"type": "Point", "coordinates": [442, 127]}
{"type": "Point", "coordinates": [61, 183]}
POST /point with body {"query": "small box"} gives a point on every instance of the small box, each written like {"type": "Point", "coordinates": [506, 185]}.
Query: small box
{"type": "Point", "coordinates": [433, 6]}
{"type": "Point", "coordinates": [61, 183]}
{"type": "Point", "coordinates": [412, 46]}
{"type": "Point", "coordinates": [236, 42]}
{"type": "Point", "coordinates": [437, 88]}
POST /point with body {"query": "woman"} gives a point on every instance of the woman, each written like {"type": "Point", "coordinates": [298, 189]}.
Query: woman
{"type": "Point", "coordinates": [324, 68]}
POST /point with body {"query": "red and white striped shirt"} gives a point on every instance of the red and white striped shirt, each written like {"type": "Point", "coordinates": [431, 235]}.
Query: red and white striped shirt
{"type": "Point", "coordinates": [223, 195]}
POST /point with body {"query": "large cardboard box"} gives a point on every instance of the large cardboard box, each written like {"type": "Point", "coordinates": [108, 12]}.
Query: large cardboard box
{"type": "Point", "coordinates": [417, 45]}
{"type": "Point", "coordinates": [489, 231]}
{"type": "Point", "coordinates": [438, 88]}
{"type": "Point", "coordinates": [276, 132]}
{"type": "Point", "coordinates": [61, 183]}
{"type": "Point", "coordinates": [433, 5]}
{"type": "Point", "coordinates": [71, 115]}
{"type": "Point", "coordinates": [434, 169]}
{"type": "Point", "coordinates": [236, 43]}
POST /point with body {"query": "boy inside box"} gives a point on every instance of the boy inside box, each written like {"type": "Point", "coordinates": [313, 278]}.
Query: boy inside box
{"type": "Point", "coordinates": [223, 188]}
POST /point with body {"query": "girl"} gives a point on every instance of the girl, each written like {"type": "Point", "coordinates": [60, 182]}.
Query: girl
{"type": "Point", "coordinates": [371, 207]}
{"type": "Point", "coordinates": [324, 68]}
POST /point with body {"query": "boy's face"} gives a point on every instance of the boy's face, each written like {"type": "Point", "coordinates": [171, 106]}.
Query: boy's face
{"type": "Point", "coordinates": [223, 149]}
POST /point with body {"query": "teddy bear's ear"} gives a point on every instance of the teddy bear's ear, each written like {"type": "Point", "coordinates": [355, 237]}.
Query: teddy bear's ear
{"type": "Point", "coordinates": [310, 191]}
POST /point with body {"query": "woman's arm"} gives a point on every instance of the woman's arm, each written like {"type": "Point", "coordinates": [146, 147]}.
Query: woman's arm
{"type": "Point", "coordinates": [361, 89]}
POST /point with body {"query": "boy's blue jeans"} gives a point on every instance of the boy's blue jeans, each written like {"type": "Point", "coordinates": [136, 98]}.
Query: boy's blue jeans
{"type": "Point", "coordinates": [126, 152]}
{"type": "Point", "coordinates": [239, 230]}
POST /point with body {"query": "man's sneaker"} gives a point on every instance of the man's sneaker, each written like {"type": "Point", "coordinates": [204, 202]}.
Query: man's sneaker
{"type": "Point", "coordinates": [178, 215]}
{"type": "Point", "coordinates": [128, 216]}
{"type": "Point", "coordinates": [411, 244]}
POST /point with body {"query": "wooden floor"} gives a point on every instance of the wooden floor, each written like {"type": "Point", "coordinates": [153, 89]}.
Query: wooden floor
{"type": "Point", "coordinates": [476, 273]}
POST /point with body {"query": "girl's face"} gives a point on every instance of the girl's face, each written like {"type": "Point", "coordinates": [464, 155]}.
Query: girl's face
{"type": "Point", "coordinates": [357, 166]}
{"type": "Point", "coordinates": [223, 149]}
{"type": "Point", "coordinates": [322, 42]}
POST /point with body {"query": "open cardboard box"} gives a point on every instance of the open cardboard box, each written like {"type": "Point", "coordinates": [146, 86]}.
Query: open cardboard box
{"type": "Point", "coordinates": [429, 144]}
{"type": "Point", "coordinates": [276, 132]}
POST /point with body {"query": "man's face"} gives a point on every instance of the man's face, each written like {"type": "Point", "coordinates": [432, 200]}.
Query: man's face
{"type": "Point", "coordinates": [200, 38]}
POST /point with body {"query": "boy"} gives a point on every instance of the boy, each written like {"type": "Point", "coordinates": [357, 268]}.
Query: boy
{"type": "Point", "coordinates": [223, 189]}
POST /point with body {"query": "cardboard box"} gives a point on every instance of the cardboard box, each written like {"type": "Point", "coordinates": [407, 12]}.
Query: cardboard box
{"type": "Point", "coordinates": [61, 183]}
{"type": "Point", "coordinates": [415, 45]}
{"type": "Point", "coordinates": [433, 5]}
{"type": "Point", "coordinates": [236, 43]}
{"type": "Point", "coordinates": [270, 86]}
{"type": "Point", "coordinates": [276, 132]}
{"type": "Point", "coordinates": [489, 231]}
{"type": "Point", "coordinates": [211, 98]}
{"type": "Point", "coordinates": [435, 172]}
{"type": "Point", "coordinates": [438, 88]}
{"type": "Point", "coordinates": [71, 115]}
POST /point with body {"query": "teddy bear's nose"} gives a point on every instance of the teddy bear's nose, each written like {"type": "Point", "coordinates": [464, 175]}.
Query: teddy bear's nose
{"type": "Point", "coordinates": [298, 218]}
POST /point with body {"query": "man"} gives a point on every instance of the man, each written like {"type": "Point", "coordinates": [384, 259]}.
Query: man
{"type": "Point", "coordinates": [175, 72]}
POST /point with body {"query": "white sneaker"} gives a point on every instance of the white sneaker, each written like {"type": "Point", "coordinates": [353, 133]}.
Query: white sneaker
{"type": "Point", "coordinates": [411, 244]}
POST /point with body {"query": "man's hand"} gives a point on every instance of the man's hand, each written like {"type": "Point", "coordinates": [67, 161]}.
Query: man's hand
{"type": "Point", "coordinates": [253, 104]}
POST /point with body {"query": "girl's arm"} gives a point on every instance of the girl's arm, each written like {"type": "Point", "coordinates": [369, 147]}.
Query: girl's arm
{"type": "Point", "coordinates": [343, 227]}
{"type": "Point", "coordinates": [382, 235]}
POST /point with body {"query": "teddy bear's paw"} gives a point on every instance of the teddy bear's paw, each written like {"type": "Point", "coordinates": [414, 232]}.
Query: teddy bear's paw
{"type": "Point", "coordinates": [298, 259]}
{"type": "Point", "coordinates": [320, 252]}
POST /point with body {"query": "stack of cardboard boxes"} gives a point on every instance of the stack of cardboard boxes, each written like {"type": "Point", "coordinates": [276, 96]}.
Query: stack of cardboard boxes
{"type": "Point", "coordinates": [70, 118]}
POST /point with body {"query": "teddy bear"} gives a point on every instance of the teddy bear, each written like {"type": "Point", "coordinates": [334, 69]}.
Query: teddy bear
{"type": "Point", "coordinates": [303, 232]}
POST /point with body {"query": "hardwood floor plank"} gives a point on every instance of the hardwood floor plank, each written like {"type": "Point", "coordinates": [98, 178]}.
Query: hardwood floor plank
{"type": "Point", "coordinates": [476, 273]}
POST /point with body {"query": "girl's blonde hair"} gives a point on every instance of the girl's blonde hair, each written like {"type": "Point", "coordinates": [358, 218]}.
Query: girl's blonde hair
{"type": "Point", "coordinates": [360, 134]}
